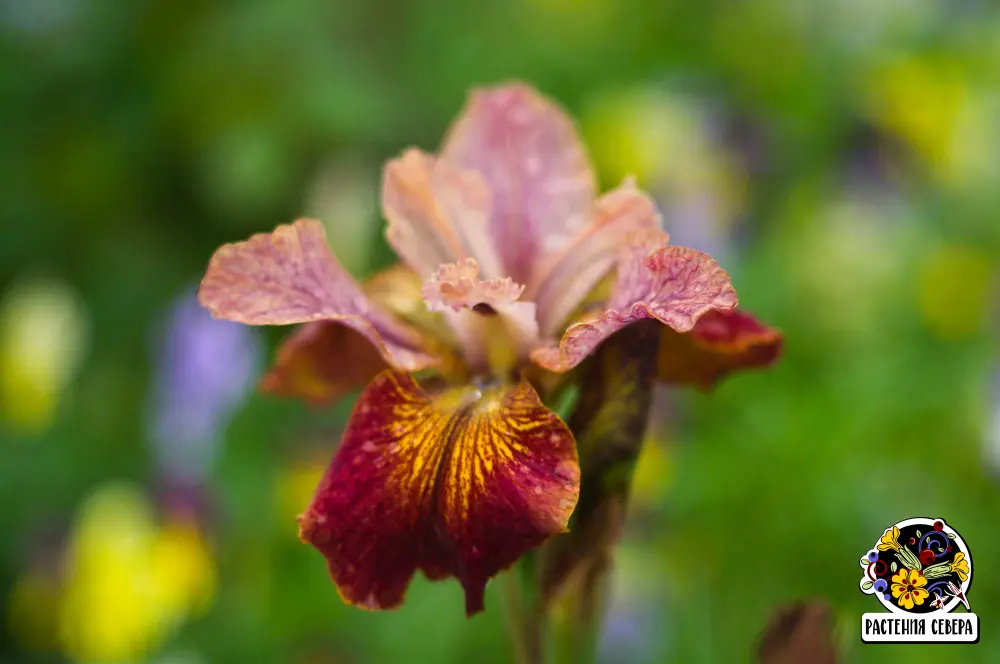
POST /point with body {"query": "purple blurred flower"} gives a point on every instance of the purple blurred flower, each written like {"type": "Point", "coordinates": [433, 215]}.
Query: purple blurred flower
{"type": "Point", "coordinates": [204, 371]}
{"type": "Point", "coordinates": [631, 632]}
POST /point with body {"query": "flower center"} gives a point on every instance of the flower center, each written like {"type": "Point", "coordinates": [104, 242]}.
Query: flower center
{"type": "Point", "coordinates": [495, 329]}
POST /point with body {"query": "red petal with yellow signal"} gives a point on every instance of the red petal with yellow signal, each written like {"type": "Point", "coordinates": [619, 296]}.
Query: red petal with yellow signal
{"type": "Point", "coordinates": [458, 482]}
{"type": "Point", "coordinates": [720, 342]}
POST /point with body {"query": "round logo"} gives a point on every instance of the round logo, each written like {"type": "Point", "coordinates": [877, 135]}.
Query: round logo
{"type": "Point", "coordinates": [918, 566]}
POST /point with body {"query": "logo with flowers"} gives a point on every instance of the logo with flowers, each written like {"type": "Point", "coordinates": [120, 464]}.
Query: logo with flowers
{"type": "Point", "coordinates": [919, 566]}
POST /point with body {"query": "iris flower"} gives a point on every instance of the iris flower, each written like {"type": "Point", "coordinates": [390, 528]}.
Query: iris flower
{"type": "Point", "coordinates": [513, 271]}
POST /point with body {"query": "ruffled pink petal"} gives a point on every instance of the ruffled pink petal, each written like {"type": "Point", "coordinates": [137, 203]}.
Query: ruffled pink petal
{"type": "Point", "coordinates": [437, 214]}
{"type": "Point", "coordinates": [674, 285]}
{"type": "Point", "coordinates": [527, 149]}
{"type": "Point", "coordinates": [457, 286]}
{"type": "Point", "coordinates": [566, 278]}
{"type": "Point", "coordinates": [291, 276]}
{"type": "Point", "coordinates": [473, 306]}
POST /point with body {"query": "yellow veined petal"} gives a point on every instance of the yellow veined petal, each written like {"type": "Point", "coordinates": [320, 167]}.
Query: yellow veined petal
{"type": "Point", "coordinates": [456, 482]}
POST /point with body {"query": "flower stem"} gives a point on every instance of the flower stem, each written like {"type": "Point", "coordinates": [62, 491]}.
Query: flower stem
{"type": "Point", "coordinates": [576, 624]}
{"type": "Point", "coordinates": [517, 624]}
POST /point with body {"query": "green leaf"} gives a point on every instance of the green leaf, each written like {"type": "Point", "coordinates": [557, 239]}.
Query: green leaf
{"type": "Point", "coordinates": [867, 585]}
{"type": "Point", "coordinates": [565, 400]}
{"type": "Point", "coordinates": [918, 533]}
{"type": "Point", "coordinates": [893, 566]}
{"type": "Point", "coordinates": [951, 535]}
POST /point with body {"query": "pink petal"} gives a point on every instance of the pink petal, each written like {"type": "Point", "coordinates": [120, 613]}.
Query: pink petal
{"type": "Point", "coordinates": [527, 149]}
{"type": "Point", "coordinates": [475, 332]}
{"type": "Point", "coordinates": [472, 306]}
{"type": "Point", "coordinates": [671, 284]}
{"type": "Point", "coordinates": [457, 286]}
{"type": "Point", "coordinates": [291, 276]}
{"type": "Point", "coordinates": [568, 277]}
{"type": "Point", "coordinates": [437, 214]}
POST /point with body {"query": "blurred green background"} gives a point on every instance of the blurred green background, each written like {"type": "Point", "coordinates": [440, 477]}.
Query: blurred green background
{"type": "Point", "coordinates": [839, 158]}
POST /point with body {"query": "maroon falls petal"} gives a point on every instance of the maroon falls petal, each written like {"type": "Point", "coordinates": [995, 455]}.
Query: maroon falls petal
{"type": "Point", "coordinates": [320, 362]}
{"type": "Point", "coordinates": [673, 285]}
{"type": "Point", "coordinates": [291, 276]}
{"type": "Point", "coordinates": [459, 483]}
{"type": "Point", "coordinates": [720, 343]}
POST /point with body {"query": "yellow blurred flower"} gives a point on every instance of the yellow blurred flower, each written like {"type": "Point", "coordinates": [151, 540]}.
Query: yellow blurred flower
{"type": "Point", "coordinates": [932, 104]}
{"type": "Point", "coordinates": [960, 566]}
{"type": "Point", "coordinates": [889, 540]}
{"type": "Point", "coordinates": [664, 141]}
{"type": "Point", "coordinates": [957, 286]}
{"type": "Point", "coordinates": [908, 588]}
{"type": "Point", "coordinates": [129, 580]}
{"type": "Point", "coordinates": [43, 336]}
{"type": "Point", "coordinates": [181, 560]}
{"type": "Point", "coordinates": [919, 100]}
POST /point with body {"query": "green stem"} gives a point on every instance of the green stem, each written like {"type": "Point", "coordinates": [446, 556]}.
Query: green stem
{"type": "Point", "coordinates": [576, 624]}
{"type": "Point", "coordinates": [517, 623]}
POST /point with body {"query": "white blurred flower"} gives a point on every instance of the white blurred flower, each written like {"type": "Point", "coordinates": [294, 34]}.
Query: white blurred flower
{"type": "Point", "coordinates": [44, 334]}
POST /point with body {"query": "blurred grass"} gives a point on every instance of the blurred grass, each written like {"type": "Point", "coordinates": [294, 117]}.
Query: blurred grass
{"type": "Point", "coordinates": [843, 153]}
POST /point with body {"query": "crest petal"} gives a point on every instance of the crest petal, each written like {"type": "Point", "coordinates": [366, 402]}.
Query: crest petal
{"type": "Point", "coordinates": [457, 286]}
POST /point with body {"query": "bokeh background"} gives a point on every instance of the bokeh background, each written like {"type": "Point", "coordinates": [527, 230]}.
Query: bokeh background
{"type": "Point", "coordinates": [839, 158]}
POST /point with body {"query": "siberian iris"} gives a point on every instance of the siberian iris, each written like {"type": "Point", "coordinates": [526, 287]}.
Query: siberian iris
{"type": "Point", "coordinates": [513, 272]}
